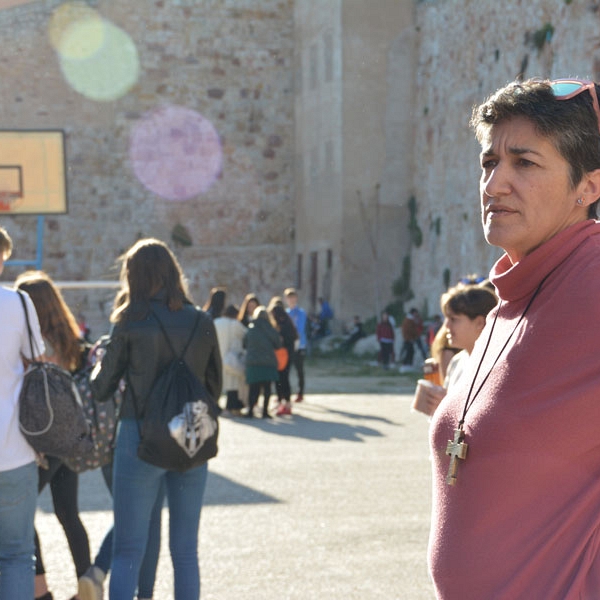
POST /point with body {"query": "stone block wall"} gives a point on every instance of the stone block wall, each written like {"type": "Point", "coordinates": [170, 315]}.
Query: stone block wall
{"type": "Point", "coordinates": [229, 61]}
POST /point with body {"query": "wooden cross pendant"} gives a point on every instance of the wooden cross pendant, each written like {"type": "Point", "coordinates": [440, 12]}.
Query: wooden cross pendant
{"type": "Point", "coordinates": [456, 449]}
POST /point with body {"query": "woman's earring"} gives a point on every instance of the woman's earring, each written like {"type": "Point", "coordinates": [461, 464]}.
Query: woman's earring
{"type": "Point", "coordinates": [580, 201]}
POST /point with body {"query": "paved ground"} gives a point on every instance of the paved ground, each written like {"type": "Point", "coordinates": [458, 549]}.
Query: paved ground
{"type": "Point", "coordinates": [332, 503]}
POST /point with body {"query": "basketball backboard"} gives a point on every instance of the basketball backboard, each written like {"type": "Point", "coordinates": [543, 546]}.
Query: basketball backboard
{"type": "Point", "coordinates": [32, 172]}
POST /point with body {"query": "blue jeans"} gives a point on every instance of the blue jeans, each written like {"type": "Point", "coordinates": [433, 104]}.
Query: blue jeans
{"type": "Point", "coordinates": [136, 485]}
{"type": "Point", "coordinates": [18, 497]}
{"type": "Point", "coordinates": [150, 561]}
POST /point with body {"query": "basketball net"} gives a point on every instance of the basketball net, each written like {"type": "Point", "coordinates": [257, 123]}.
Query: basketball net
{"type": "Point", "coordinates": [8, 200]}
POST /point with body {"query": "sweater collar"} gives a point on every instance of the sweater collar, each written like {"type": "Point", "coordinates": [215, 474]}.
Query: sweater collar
{"type": "Point", "coordinates": [517, 281]}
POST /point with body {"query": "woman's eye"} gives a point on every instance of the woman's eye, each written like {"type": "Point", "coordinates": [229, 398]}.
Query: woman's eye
{"type": "Point", "coordinates": [488, 164]}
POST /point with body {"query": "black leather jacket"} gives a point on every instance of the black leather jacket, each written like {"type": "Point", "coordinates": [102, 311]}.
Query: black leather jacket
{"type": "Point", "coordinates": [138, 351]}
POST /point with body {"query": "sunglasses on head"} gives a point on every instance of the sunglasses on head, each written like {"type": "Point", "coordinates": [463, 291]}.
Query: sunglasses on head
{"type": "Point", "coordinates": [564, 89]}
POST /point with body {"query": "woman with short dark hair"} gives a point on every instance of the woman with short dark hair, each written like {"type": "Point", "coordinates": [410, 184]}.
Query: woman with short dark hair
{"type": "Point", "coordinates": [515, 444]}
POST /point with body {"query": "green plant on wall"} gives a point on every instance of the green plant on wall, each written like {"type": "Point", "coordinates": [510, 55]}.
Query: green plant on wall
{"type": "Point", "coordinates": [401, 286]}
{"type": "Point", "coordinates": [446, 276]}
{"type": "Point", "coordinates": [416, 235]}
{"type": "Point", "coordinates": [543, 36]}
{"type": "Point", "coordinates": [180, 235]}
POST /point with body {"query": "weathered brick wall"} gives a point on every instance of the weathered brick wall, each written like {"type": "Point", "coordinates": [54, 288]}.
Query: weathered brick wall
{"type": "Point", "coordinates": [466, 51]}
{"type": "Point", "coordinates": [228, 60]}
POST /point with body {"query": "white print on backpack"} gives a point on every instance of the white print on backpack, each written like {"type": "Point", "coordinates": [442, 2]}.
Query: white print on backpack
{"type": "Point", "coordinates": [192, 427]}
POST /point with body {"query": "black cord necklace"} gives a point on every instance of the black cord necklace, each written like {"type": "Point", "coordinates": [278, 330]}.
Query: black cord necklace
{"type": "Point", "coordinates": [456, 448]}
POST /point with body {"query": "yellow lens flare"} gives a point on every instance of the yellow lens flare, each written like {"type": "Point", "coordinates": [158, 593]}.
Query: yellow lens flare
{"type": "Point", "coordinates": [83, 39]}
{"type": "Point", "coordinates": [102, 73]}
{"type": "Point", "coordinates": [67, 40]}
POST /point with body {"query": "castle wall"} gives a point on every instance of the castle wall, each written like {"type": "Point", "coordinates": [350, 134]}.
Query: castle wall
{"type": "Point", "coordinates": [342, 132]}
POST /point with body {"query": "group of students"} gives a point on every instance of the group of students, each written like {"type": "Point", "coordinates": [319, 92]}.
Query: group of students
{"type": "Point", "coordinates": [259, 344]}
{"type": "Point", "coordinates": [153, 295]}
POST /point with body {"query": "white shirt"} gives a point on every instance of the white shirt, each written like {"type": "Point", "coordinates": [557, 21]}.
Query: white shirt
{"type": "Point", "coordinates": [14, 449]}
{"type": "Point", "coordinates": [230, 333]}
{"type": "Point", "coordinates": [456, 368]}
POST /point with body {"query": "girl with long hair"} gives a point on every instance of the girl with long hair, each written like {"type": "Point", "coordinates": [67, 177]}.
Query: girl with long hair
{"type": "Point", "coordinates": [287, 330]}
{"type": "Point", "coordinates": [215, 305]}
{"type": "Point", "coordinates": [153, 292]}
{"type": "Point", "coordinates": [249, 304]}
{"type": "Point", "coordinates": [230, 333]}
{"type": "Point", "coordinates": [261, 364]}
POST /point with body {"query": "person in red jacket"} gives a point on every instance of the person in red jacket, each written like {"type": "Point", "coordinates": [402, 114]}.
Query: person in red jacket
{"type": "Point", "coordinates": [385, 337]}
{"type": "Point", "coordinates": [410, 334]}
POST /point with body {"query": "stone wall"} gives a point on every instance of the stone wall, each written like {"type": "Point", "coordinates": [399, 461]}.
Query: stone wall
{"type": "Point", "coordinates": [466, 51]}
{"type": "Point", "coordinates": [227, 60]}
{"type": "Point", "coordinates": [231, 61]}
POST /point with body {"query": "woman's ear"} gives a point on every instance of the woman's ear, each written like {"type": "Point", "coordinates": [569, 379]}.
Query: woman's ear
{"type": "Point", "coordinates": [590, 187]}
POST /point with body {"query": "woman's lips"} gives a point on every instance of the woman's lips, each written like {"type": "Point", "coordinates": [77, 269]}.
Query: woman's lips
{"type": "Point", "coordinates": [499, 210]}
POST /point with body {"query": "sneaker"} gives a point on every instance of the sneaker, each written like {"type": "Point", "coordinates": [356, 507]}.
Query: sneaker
{"type": "Point", "coordinates": [90, 584]}
{"type": "Point", "coordinates": [284, 409]}
{"type": "Point", "coordinates": [299, 398]}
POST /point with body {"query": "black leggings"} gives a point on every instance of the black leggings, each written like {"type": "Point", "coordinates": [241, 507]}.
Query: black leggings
{"type": "Point", "coordinates": [254, 392]}
{"type": "Point", "coordinates": [298, 363]}
{"type": "Point", "coordinates": [387, 351]}
{"type": "Point", "coordinates": [283, 384]}
{"type": "Point", "coordinates": [63, 486]}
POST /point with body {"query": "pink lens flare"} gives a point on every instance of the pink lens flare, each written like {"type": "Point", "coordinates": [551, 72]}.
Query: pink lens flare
{"type": "Point", "coordinates": [175, 152]}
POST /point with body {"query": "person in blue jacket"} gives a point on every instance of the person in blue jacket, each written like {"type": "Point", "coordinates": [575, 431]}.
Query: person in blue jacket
{"type": "Point", "coordinates": [298, 316]}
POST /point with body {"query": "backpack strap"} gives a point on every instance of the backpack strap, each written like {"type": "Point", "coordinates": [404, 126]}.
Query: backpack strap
{"type": "Point", "coordinates": [189, 341]}
{"type": "Point", "coordinates": [139, 413]}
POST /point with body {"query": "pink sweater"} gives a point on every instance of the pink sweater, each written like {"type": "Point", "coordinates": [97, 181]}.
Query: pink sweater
{"type": "Point", "coordinates": [523, 520]}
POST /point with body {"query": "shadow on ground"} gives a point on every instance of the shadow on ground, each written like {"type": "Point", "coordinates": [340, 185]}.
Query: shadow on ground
{"type": "Point", "coordinates": [220, 490]}
{"type": "Point", "coordinates": [320, 430]}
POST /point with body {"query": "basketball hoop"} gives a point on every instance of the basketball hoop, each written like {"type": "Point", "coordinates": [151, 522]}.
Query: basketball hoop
{"type": "Point", "coordinates": [8, 200]}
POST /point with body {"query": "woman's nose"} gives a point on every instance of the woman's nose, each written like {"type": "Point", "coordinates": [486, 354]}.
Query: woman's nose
{"type": "Point", "coordinates": [495, 182]}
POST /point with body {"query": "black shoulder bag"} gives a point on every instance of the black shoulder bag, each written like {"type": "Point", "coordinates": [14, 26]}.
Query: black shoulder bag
{"type": "Point", "coordinates": [51, 415]}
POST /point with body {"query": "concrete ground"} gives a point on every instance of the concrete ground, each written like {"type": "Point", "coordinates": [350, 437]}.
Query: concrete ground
{"type": "Point", "coordinates": [331, 503]}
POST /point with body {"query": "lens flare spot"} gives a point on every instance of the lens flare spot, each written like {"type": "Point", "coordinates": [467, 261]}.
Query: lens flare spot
{"type": "Point", "coordinates": [83, 39]}
{"type": "Point", "coordinates": [175, 152]}
{"type": "Point", "coordinates": [101, 61]}
{"type": "Point", "coordinates": [64, 17]}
